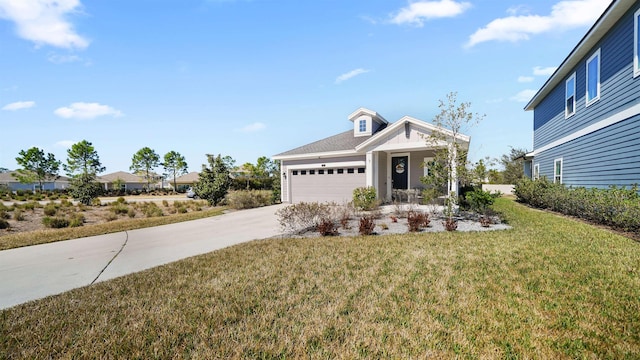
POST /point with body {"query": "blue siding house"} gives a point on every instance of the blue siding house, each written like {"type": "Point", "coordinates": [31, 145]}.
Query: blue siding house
{"type": "Point", "coordinates": [586, 117]}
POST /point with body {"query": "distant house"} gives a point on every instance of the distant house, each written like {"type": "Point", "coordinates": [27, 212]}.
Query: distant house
{"type": "Point", "coordinates": [586, 117]}
{"type": "Point", "coordinates": [123, 181]}
{"type": "Point", "coordinates": [185, 181]}
{"type": "Point", "coordinates": [387, 156]}
{"type": "Point", "coordinates": [11, 183]}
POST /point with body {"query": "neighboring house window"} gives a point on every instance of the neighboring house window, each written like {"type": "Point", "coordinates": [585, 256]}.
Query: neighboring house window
{"type": "Point", "coordinates": [557, 171]}
{"type": "Point", "coordinates": [570, 96]}
{"type": "Point", "coordinates": [593, 78]}
{"type": "Point", "coordinates": [363, 125]}
{"type": "Point", "coordinates": [536, 171]}
{"type": "Point", "coordinates": [636, 44]}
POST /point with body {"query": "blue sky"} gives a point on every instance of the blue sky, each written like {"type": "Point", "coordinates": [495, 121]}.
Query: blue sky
{"type": "Point", "coordinates": [248, 78]}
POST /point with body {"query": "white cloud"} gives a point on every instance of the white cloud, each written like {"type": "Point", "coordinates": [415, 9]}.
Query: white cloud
{"type": "Point", "coordinates": [65, 144]}
{"type": "Point", "coordinates": [81, 110]}
{"type": "Point", "coordinates": [350, 74]}
{"type": "Point", "coordinates": [420, 11]}
{"type": "Point", "coordinates": [256, 126]}
{"type": "Point", "coordinates": [546, 71]}
{"type": "Point", "coordinates": [19, 105]}
{"type": "Point", "coordinates": [44, 21]}
{"type": "Point", "coordinates": [524, 79]}
{"type": "Point", "coordinates": [524, 95]}
{"type": "Point", "coordinates": [564, 15]}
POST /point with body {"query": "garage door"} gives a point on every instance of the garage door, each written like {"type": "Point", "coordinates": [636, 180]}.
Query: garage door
{"type": "Point", "coordinates": [326, 185]}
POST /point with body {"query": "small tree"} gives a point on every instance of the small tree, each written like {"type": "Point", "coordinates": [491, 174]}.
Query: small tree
{"type": "Point", "coordinates": [215, 180]}
{"type": "Point", "coordinates": [174, 164]}
{"type": "Point", "coordinates": [36, 167]}
{"type": "Point", "coordinates": [513, 164]}
{"type": "Point", "coordinates": [83, 165]}
{"type": "Point", "coordinates": [450, 159]}
{"type": "Point", "coordinates": [145, 160]}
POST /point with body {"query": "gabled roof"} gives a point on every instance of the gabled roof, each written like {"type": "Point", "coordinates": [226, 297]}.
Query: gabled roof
{"type": "Point", "coordinates": [374, 115]}
{"type": "Point", "coordinates": [188, 178]}
{"type": "Point", "coordinates": [607, 20]}
{"type": "Point", "coordinates": [124, 176]}
{"type": "Point", "coordinates": [461, 138]}
{"type": "Point", "coordinates": [344, 141]}
{"type": "Point", "coordinates": [6, 177]}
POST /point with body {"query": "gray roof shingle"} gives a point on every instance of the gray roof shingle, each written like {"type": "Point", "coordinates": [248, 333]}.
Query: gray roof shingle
{"type": "Point", "coordinates": [339, 142]}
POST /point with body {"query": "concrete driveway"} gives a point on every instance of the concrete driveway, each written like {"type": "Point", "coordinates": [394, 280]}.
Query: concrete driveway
{"type": "Point", "coordinates": [38, 271]}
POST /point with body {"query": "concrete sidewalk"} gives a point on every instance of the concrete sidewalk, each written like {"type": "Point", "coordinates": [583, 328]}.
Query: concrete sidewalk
{"type": "Point", "coordinates": [34, 272]}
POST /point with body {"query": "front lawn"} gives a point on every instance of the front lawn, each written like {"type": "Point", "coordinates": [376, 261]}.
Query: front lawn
{"type": "Point", "coordinates": [550, 288]}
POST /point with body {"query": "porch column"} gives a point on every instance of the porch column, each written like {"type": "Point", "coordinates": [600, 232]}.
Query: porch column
{"type": "Point", "coordinates": [370, 173]}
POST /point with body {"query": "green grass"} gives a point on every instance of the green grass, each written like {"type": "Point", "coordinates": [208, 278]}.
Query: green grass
{"type": "Point", "coordinates": [51, 235]}
{"type": "Point", "coordinates": [550, 288]}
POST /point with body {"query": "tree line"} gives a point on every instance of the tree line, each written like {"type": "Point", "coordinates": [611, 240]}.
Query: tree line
{"type": "Point", "coordinates": [83, 166]}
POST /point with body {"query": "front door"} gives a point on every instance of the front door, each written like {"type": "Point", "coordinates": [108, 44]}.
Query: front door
{"type": "Point", "coordinates": [400, 172]}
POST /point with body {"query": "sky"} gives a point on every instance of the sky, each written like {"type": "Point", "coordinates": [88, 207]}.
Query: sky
{"type": "Point", "coordinates": [251, 78]}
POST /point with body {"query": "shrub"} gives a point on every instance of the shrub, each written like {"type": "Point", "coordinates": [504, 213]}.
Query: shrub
{"type": "Point", "coordinates": [479, 200]}
{"type": "Point", "coordinates": [50, 210]}
{"type": "Point", "coordinates": [131, 213]}
{"type": "Point", "coordinates": [96, 202]}
{"type": "Point", "coordinates": [119, 208]}
{"type": "Point", "coordinates": [121, 200]}
{"type": "Point", "coordinates": [327, 227]}
{"type": "Point", "coordinates": [417, 220]}
{"type": "Point", "coordinates": [18, 215]}
{"type": "Point", "coordinates": [55, 222]}
{"type": "Point", "coordinates": [165, 203]}
{"type": "Point", "coordinates": [615, 207]}
{"type": "Point", "coordinates": [31, 205]}
{"type": "Point", "coordinates": [485, 221]}
{"type": "Point", "coordinates": [4, 224]}
{"type": "Point", "coordinates": [364, 198]}
{"type": "Point", "coordinates": [182, 210]}
{"type": "Point", "coordinates": [367, 224]}
{"type": "Point", "coordinates": [302, 216]}
{"type": "Point", "coordinates": [450, 224]}
{"type": "Point", "coordinates": [248, 199]}
{"type": "Point", "coordinates": [152, 210]}
{"type": "Point", "coordinates": [76, 220]}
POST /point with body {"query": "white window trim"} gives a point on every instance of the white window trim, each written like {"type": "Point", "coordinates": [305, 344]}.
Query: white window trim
{"type": "Point", "coordinates": [536, 171]}
{"type": "Point", "coordinates": [636, 63]}
{"type": "Point", "coordinates": [561, 170]}
{"type": "Point", "coordinates": [566, 114]}
{"type": "Point", "coordinates": [597, 97]}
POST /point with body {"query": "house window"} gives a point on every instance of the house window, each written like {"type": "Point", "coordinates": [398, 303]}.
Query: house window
{"type": "Point", "coordinates": [294, 172]}
{"type": "Point", "coordinates": [350, 171]}
{"type": "Point", "coordinates": [570, 96]}
{"type": "Point", "coordinates": [426, 162]}
{"type": "Point", "coordinates": [363, 125]}
{"type": "Point", "coordinates": [320, 172]}
{"type": "Point", "coordinates": [536, 171]}
{"type": "Point", "coordinates": [557, 171]}
{"type": "Point", "coordinates": [593, 78]}
{"type": "Point", "coordinates": [330, 172]}
{"type": "Point", "coordinates": [360, 170]}
{"type": "Point", "coordinates": [312, 172]}
{"type": "Point", "coordinates": [636, 43]}
{"type": "Point", "coordinates": [340, 171]}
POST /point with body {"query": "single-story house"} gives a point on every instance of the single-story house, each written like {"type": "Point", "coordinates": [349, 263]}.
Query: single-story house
{"type": "Point", "coordinates": [390, 157]}
{"type": "Point", "coordinates": [185, 181]}
{"type": "Point", "coordinates": [10, 182]}
{"type": "Point", "coordinates": [124, 180]}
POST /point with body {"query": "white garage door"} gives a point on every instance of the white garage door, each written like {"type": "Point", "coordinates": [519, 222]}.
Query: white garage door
{"type": "Point", "coordinates": [326, 185]}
